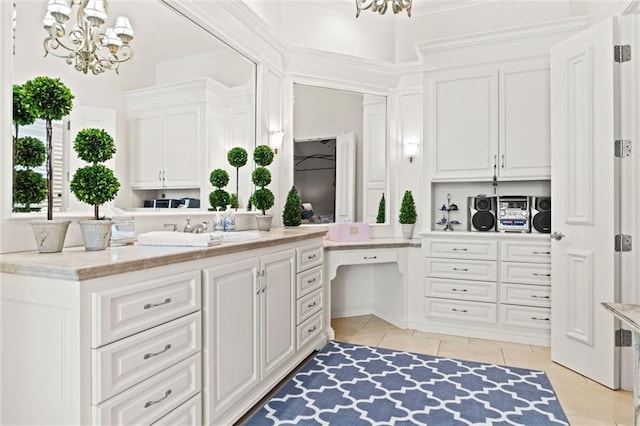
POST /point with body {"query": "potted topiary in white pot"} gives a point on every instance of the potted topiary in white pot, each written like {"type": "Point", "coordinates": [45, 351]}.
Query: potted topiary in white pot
{"type": "Point", "coordinates": [95, 184]}
{"type": "Point", "coordinates": [408, 214]}
{"type": "Point", "coordinates": [262, 198]}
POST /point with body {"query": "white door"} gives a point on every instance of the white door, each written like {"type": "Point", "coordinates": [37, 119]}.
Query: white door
{"type": "Point", "coordinates": [584, 199]}
{"type": "Point", "coordinates": [83, 117]}
{"type": "Point", "coordinates": [345, 178]}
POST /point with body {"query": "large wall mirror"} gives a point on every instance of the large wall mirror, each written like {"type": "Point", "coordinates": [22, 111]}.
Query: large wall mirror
{"type": "Point", "coordinates": [340, 154]}
{"type": "Point", "coordinates": [174, 111]}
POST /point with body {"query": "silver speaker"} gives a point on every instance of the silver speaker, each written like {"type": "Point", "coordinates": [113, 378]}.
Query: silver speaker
{"type": "Point", "coordinates": [482, 213]}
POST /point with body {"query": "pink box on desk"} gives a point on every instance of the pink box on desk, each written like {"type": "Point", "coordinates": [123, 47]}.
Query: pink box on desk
{"type": "Point", "coordinates": [348, 231]}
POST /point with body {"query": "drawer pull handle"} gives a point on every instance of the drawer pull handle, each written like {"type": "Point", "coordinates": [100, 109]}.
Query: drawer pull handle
{"type": "Point", "coordinates": [540, 319]}
{"type": "Point", "coordinates": [540, 297]}
{"type": "Point", "coordinates": [540, 252]}
{"type": "Point", "coordinates": [151, 354]}
{"type": "Point", "coordinates": [311, 305]}
{"type": "Point", "coordinates": [311, 330]}
{"type": "Point", "coordinates": [464, 311]}
{"type": "Point", "coordinates": [370, 257]}
{"type": "Point", "coordinates": [153, 305]}
{"type": "Point", "coordinates": [459, 249]}
{"type": "Point", "coordinates": [461, 269]}
{"type": "Point", "coordinates": [535, 274]}
{"type": "Point", "coordinates": [311, 281]}
{"type": "Point", "coordinates": [312, 256]}
{"type": "Point", "coordinates": [150, 403]}
{"type": "Point", "coordinates": [459, 289]}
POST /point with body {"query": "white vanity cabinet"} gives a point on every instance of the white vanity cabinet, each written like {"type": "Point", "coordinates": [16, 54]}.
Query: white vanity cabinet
{"type": "Point", "coordinates": [490, 119]}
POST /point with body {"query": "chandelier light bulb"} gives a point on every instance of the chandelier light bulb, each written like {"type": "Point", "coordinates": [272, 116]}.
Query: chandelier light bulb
{"type": "Point", "coordinates": [95, 12]}
{"type": "Point", "coordinates": [48, 21]}
{"type": "Point", "coordinates": [123, 29]}
{"type": "Point", "coordinates": [60, 10]}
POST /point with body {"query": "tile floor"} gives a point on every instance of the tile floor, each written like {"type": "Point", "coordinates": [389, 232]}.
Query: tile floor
{"type": "Point", "coordinates": [584, 401]}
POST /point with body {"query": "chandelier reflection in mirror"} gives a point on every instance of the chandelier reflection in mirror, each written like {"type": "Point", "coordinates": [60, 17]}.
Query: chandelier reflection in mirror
{"type": "Point", "coordinates": [381, 6]}
{"type": "Point", "coordinates": [85, 45]}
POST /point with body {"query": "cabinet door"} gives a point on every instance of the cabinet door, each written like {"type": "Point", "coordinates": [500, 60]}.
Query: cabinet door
{"type": "Point", "coordinates": [464, 123]}
{"type": "Point", "coordinates": [277, 309]}
{"type": "Point", "coordinates": [147, 149]}
{"type": "Point", "coordinates": [183, 134]}
{"type": "Point", "coordinates": [231, 335]}
{"type": "Point", "coordinates": [525, 129]}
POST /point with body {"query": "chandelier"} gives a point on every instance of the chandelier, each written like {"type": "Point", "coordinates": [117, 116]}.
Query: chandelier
{"type": "Point", "coordinates": [85, 45]}
{"type": "Point", "coordinates": [380, 6]}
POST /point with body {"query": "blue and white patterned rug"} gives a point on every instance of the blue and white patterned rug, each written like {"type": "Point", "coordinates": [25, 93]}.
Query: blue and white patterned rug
{"type": "Point", "coordinates": [347, 384]}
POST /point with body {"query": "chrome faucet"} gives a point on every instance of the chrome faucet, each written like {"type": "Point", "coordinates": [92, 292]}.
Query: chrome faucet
{"type": "Point", "coordinates": [198, 228]}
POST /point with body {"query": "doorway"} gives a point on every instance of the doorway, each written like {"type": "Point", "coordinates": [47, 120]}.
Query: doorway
{"type": "Point", "coordinates": [314, 176]}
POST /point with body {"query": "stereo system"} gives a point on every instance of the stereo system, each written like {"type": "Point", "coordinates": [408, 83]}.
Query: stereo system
{"type": "Point", "coordinates": [513, 213]}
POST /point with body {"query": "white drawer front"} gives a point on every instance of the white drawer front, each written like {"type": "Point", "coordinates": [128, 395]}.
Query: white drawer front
{"type": "Point", "coordinates": [309, 329]}
{"type": "Point", "coordinates": [308, 305]}
{"type": "Point", "coordinates": [482, 270]}
{"type": "Point", "coordinates": [123, 311]}
{"type": "Point", "coordinates": [129, 361]}
{"type": "Point", "coordinates": [461, 310]}
{"type": "Point", "coordinates": [523, 316]}
{"type": "Point", "coordinates": [527, 295]}
{"type": "Point", "coordinates": [308, 281]}
{"type": "Point", "coordinates": [309, 256]}
{"type": "Point", "coordinates": [477, 291]}
{"type": "Point", "coordinates": [461, 249]}
{"type": "Point", "coordinates": [525, 273]}
{"type": "Point", "coordinates": [188, 414]}
{"type": "Point", "coordinates": [364, 257]}
{"type": "Point", "coordinates": [148, 401]}
{"type": "Point", "coordinates": [533, 251]}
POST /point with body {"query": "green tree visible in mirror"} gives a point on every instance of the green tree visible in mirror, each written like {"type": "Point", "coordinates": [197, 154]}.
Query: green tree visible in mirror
{"type": "Point", "coordinates": [48, 99]}
{"type": "Point", "coordinates": [94, 184]}
{"type": "Point", "coordinates": [219, 178]}
{"type": "Point", "coordinates": [23, 114]}
{"type": "Point", "coordinates": [408, 212]}
{"type": "Point", "coordinates": [262, 198]}
{"type": "Point", "coordinates": [381, 210]}
{"type": "Point", "coordinates": [29, 186]}
{"type": "Point", "coordinates": [291, 215]}
{"type": "Point", "coordinates": [237, 157]}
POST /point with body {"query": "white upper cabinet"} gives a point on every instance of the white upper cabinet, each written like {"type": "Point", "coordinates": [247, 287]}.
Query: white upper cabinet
{"type": "Point", "coordinates": [489, 119]}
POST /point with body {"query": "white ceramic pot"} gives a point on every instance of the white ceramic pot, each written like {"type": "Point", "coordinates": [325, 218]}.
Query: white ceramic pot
{"type": "Point", "coordinates": [50, 234]}
{"type": "Point", "coordinates": [407, 230]}
{"type": "Point", "coordinates": [264, 222]}
{"type": "Point", "coordinates": [95, 233]}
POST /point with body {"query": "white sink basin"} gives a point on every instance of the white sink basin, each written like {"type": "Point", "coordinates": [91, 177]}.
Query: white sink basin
{"type": "Point", "coordinates": [234, 237]}
{"type": "Point", "coordinates": [177, 239]}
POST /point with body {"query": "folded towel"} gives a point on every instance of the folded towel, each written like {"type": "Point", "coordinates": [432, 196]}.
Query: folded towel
{"type": "Point", "coordinates": [178, 239]}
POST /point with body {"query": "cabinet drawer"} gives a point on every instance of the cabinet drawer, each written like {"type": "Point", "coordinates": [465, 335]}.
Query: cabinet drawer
{"type": "Point", "coordinates": [122, 311]}
{"type": "Point", "coordinates": [308, 257]}
{"type": "Point", "coordinates": [461, 310]}
{"type": "Point", "coordinates": [482, 270]}
{"type": "Point", "coordinates": [189, 413]}
{"type": "Point", "coordinates": [477, 291]}
{"type": "Point", "coordinates": [129, 361]}
{"type": "Point", "coordinates": [308, 305]}
{"type": "Point", "coordinates": [523, 316]}
{"type": "Point", "coordinates": [461, 249]}
{"type": "Point", "coordinates": [148, 401]}
{"type": "Point", "coordinates": [364, 257]}
{"type": "Point", "coordinates": [528, 295]}
{"type": "Point", "coordinates": [309, 329]}
{"type": "Point", "coordinates": [525, 273]}
{"type": "Point", "coordinates": [308, 281]}
{"type": "Point", "coordinates": [533, 251]}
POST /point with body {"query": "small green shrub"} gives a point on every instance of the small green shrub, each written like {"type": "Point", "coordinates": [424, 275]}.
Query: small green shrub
{"type": "Point", "coordinates": [261, 176]}
{"type": "Point", "coordinates": [219, 178]}
{"type": "Point", "coordinates": [29, 187]}
{"type": "Point", "coordinates": [219, 198]}
{"type": "Point", "coordinates": [291, 215]}
{"type": "Point", "coordinates": [263, 155]}
{"type": "Point", "coordinates": [263, 199]}
{"type": "Point", "coordinates": [381, 210]}
{"type": "Point", "coordinates": [30, 152]}
{"type": "Point", "coordinates": [408, 212]}
{"type": "Point", "coordinates": [94, 145]}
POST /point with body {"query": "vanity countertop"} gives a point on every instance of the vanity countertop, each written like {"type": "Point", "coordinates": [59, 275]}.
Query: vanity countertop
{"type": "Point", "coordinates": [75, 263]}
{"type": "Point", "coordinates": [630, 314]}
{"type": "Point", "coordinates": [376, 243]}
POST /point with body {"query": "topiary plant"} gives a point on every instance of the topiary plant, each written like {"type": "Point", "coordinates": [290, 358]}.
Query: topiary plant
{"type": "Point", "coordinates": [291, 215]}
{"type": "Point", "coordinates": [408, 212]}
{"type": "Point", "coordinates": [237, 157]}
{"type": "Point", "coordinates": [219, 178]}
{"type": "Point", "coordinates": [381, 210]}
{"type": "Point", "coordinates": [48, 99]}
{"type": "Point", "coordinates": [262, 198]}
{"type": "Point", "coordinates": [23, 113]}
{"type": "Point", "coordinates": [94, 184]}
{"type": "Point", "coordinates": [29, 186]}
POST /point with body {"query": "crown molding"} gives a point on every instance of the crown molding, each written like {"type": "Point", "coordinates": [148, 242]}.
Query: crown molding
{"type": "Point", "coordinates": [451, 8]}
{"type": "Point", "coordinates": [504, 35]}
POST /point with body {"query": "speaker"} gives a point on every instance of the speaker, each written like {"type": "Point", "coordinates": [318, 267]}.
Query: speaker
{"type": "Point", "coordinates": [482, 213]}
{"type": "Point", "coordinates": [541, 214]}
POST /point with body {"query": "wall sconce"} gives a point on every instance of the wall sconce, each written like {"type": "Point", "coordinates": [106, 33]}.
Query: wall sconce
{"type": "Point", "coordinates": [411, 148]}
{"type": "Point", "coordinates": [275, 140]}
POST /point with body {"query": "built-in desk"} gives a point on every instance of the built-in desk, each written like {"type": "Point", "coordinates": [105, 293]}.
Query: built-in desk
{"type": "Point", "coordinates": [630, 315]}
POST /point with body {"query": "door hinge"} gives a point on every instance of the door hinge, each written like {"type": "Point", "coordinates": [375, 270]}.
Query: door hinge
{"type": "Point", "coordinates": [622, 53]}
{"type": "Point", "coordinates": [623, 338]}
{"type": "Point", "coordinates": [623, 148]}
{"type": "Point", "coordinates": [623, 242]}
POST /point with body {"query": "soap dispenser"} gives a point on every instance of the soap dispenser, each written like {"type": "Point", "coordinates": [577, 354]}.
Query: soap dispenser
{"type": "Point", "coordinates": [229, 220]}
{"type": "Point", "coordinates": [218, 221]}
